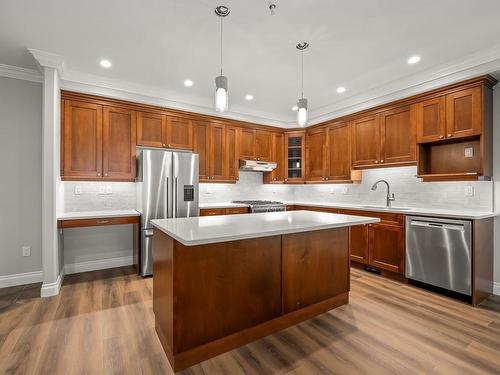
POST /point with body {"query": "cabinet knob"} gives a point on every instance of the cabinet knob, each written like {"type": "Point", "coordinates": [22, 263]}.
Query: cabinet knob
{"type": "Point", "coordinates": [370, 225]}
{"type": "Point", "coordinates": [98, 175]}
{"type": "Point", "coordinates": [164, 145]}
{"type": "Point", "coordinates": [286, 179]}
{"type": "Point", "coordinates": [441, 136]}
{"type": "Point", "coordinates": [105, 174]}
{"type": "Point", "coordinates": [450, 135]}
{"type": "Point", "coordinates": [169, 145]}
{"type": "Point", "coordinates": [258, 158]}
{"type": "Point", "coordinates": [376, 161]}
{"type": "Point", "coordinates": [326, 178]}
{"type": "Point", "coordinates": [237, 178]}
{"type": "Point", "coordinates": [274, 178]}
{"type": "Point", "coordinates": [382, 160]}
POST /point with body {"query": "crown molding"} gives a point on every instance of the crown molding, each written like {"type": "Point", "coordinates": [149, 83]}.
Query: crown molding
{"type": "Point", "coordinates": [474, 65]}
{"type": "Point", "coordinates": [20, 73]}
{"type": "Point", "coordinates": [48, 60]}
{"type": "Point", "coordinates": [118, 89]}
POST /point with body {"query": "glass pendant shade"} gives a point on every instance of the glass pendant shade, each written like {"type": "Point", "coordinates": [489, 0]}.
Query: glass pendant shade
{"type": "Point", "coordinates": [302, 112]}
{"type": "Point", "coordinates": [221, 94]}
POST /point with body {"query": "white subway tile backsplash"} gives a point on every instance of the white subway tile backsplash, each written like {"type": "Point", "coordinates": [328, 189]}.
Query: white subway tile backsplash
{"type": "Point", "coordinates": [408, 189]}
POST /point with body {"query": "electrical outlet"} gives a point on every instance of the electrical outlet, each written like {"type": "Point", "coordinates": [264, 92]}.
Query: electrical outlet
{"type": "Point", "coordinates": [345, 190]}
{"type": "Point", "coordinates": [78, 189]}
{"type": "Point", "coordinates": [468, 152]}
{"type": "Point", "coordinates": [332, 191]}
{"type": "Point", "coordinates": [26, 251]}
{"type": "Point", "coordinates": [469, 191]}
{"type": "Point", "coordinates": [109, 189]}
{"type": "Point", "coordinates": [102, 189]}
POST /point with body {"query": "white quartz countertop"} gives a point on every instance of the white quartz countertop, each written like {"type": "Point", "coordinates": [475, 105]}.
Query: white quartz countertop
{"type": "Point", "coordinates": [436, 212]}
{"type": "Point", "coordinates": [212, 229]}
{"type": "Point", "coordinates": [96, 214]}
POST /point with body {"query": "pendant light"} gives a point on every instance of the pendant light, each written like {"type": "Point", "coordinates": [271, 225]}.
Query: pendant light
{"type": "Point", "coordinates": [302, 102]}
{"type": "Point", "coordinates": [221, 94]}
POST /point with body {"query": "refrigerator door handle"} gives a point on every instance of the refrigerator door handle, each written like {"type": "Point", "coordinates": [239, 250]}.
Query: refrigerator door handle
{"type": "Point", "coordinates": [176, 198]}
{"type": "Point", "coordinates": [148, 232]}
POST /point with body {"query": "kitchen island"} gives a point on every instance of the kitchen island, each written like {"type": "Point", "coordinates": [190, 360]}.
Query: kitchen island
{"type": "Point", "coordinates": [223, 281]}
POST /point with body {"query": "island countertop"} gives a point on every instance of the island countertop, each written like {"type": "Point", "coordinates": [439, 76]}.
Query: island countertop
{"type": "Point", "coordinates": [193, 231]}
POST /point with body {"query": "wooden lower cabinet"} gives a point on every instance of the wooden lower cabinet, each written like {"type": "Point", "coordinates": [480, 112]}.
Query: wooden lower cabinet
{"type": "Point", "coordinates": [223, 211]}
{"type": "Point", "coordinates": [359, 243]}
{"type": "Point", "coordinates": [386, 247]}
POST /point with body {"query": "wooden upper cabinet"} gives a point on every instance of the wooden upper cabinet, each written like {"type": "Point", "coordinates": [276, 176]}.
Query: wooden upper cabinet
{"type": "Point", "coordinates": [119, 140]}
{"type": "Point", "coordinates": [232, 153]}
{"type": "Point", "coordinates": [366, 141]}
{"type": "Point", "coordinates": [431, 119]}
{"type": "Point", "coordinates": [151, 129]}
{"type": "Point", "coordinates": [398, 136]}
{"type": "Point", "coordinates": [338, 157]}
{"type": "Point", "coordinates": [246, 143]}
{"type": "Point", "coordinates": [218, 154]}
{"type": "Point", "coordinates": [81, 140]}
{"type": "Point", "coordinates": [316, 154]}
{"type": "Point", "coordinates": [263, 140]}
{"type": "Point", "coordinates": [201, 146]}
{"type": "Point", "coordinates": [464, 115]}
{"type": "Point", "coordinates": [179, 133]}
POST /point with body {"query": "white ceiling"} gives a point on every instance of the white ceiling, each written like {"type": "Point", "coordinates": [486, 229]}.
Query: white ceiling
{"type": "Point", "coordinates": [359, 44]}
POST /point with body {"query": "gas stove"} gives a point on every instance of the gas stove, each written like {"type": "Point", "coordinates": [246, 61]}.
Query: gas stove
{"type": "Point", "coordinates": [264, 206]}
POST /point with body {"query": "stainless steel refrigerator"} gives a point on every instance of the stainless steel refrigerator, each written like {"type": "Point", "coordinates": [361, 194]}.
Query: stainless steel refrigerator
{"type": "Point", "coordinates": [167, 187]}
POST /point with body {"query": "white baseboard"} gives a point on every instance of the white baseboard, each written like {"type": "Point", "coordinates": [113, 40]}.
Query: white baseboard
{"type": "Point", "coordinates": [94, 265]}
{"type": "Point", "coordinates": [21, 279]}
{"type": "Point", "coordinates": [496, 289]}
{"type": "Point", "coordinates": [52, 289]}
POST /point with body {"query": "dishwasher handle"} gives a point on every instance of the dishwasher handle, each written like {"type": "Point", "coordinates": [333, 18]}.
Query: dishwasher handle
{"type": "Point", "coordinates": [448, 226]}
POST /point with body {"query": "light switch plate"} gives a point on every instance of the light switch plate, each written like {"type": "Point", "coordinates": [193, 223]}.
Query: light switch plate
{"type": "Point", "coordinates": [109, 189]}
{"type": "Point", "coordinates": [78, 189]}
{"type": "Point", "coordinates": [469, 191]}
{"type": "Point", "coordinates": [468, 152]}
{"type": "Point", "coordinates": [102, 189]}
{"type": "Point", "coordinates": [26, 251]}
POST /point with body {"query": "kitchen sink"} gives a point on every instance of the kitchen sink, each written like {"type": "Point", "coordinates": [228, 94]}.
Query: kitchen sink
{"type": "Point", "coordinates": [388, 208]}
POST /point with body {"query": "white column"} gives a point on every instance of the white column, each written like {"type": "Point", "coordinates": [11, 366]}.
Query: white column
{"type": "Point", "coordinates": [52, 252]}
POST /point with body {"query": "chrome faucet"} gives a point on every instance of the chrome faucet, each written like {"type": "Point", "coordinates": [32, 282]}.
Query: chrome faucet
{"type": "Point", "coordinates": [390, 197]}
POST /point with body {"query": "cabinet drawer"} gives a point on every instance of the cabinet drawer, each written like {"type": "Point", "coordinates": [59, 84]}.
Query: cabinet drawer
{"type": "Point", "coordinates": [79, 223]}
{"type": "Point", "coordinates": [236, 210]}
{"type": "Point", "coordinates": [318, 209]}
{"type": "Point", "coordinates": [212, 211]}
{"type": "Point", "coordinates": [385, 217]}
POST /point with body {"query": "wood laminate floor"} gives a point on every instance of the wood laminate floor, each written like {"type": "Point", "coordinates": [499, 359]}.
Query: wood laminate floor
{"type": "Point", "coordinates": [102, 323]}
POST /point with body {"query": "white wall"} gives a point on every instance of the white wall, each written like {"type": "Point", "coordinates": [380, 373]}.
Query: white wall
{"type": "Point", "coordinates": [21, 183]}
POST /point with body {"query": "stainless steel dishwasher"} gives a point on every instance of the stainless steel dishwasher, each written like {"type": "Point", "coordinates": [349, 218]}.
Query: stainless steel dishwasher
{"type": "Point", "coordinates": [439, 252]}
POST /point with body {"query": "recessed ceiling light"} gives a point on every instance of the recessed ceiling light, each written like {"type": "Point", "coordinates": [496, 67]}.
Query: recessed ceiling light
{"type": "Point", "coordinates": [295, 108]}
{"type": "Point", "coordinates": [188, 83]}
{"type": "Point", "coordinates": [340, 90]}
{"type": "Point", "coordinates": [413, 60]}
{"type": "Point", "coordinates": [105, 63]}
{"type": "Point", "coordinates": [249, 97]}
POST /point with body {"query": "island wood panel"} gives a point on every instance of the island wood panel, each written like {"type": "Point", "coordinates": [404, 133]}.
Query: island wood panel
{"type": "Point", "coordinates": [81, 140]}
{"type": "Point", "coordinates": [315, 267]}
{"type": "Point", "coordinates": [226, 290]}
{"type": "Point", "coordinates": [151, 129]}
{"type": "Point", "coordinates": [119, 139]}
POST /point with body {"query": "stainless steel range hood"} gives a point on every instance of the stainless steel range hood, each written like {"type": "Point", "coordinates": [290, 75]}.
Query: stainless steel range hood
{"type": "Point", "coordinates": [257, 166]}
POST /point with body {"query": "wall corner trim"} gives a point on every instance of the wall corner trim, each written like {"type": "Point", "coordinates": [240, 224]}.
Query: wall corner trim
{"type": "Point", "coordinates": [52, 289]}
{"type": "Point", "coordinates": [21, 279]}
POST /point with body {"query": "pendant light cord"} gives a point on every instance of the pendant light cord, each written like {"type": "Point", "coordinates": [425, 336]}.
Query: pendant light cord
{"type": "Point", "coordinates": [221, 45]}
{"type": "Point", "coordinates": [302, 75]}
